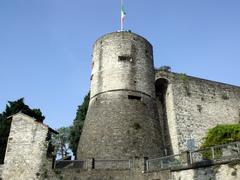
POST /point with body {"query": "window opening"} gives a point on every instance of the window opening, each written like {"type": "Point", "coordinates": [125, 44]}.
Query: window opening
{"type": "Point", "coordinates": [134, 97]}
{"type": "Point", "coordinates": [125, 58]}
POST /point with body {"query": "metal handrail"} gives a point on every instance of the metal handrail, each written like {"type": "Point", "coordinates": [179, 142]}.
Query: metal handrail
{"type": "Point", "coordinates": [213, 154]}
{"type": "Point", "coordinates": [218, 153]}
{"type": "Point", "coordinates": [112, 163]}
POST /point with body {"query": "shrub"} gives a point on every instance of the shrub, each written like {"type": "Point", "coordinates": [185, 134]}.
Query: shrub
{"type": "Point", "coordinates": [222, 134]}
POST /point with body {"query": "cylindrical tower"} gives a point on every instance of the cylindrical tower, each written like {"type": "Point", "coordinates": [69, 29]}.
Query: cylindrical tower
{"type": "Point", "coordinates": [122, 119]}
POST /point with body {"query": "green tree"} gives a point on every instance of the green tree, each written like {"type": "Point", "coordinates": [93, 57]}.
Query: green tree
{"type": "Point", "coordinates": [76, 129]}
{"type": "Point", "coordinates": [12, 108]}
{"type": "Point", "coordinates": [61, 142]}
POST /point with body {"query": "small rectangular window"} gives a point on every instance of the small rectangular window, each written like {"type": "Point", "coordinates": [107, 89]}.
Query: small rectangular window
{"type": "Point", "coordinates": [134, 97]}
{"type": "Point", "coordinates": [125, 58]}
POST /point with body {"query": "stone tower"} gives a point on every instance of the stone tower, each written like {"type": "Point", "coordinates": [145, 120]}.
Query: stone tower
{"type": "Point", "coordinates": [122, 119]}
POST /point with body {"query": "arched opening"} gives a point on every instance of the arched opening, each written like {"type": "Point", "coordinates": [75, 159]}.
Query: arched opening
{"type": "Point", "coordinates": [161, 86]}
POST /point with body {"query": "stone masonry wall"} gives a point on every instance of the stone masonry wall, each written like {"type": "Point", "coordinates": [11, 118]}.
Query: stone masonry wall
{"type": "Point", "coordinates": [122, 61]}
{"type": "Point", "coordinates": [195, 105]}
{"type": "Point", "coordinates": [222, 172]}
{"type": "Point", "coordinates": [136, 172]}
{"type": "Point", "coordinates": [1, 170]}
{"type": "Point", "coordinates": [26, 149]}
{"type": "Point", "coordinates": [110, 175]}
{"type": "Point", "coordinates": [122, 119]}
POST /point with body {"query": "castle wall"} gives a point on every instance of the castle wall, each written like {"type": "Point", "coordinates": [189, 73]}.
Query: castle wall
{"type": "Point", "coordinates": [26, 148]}
{"type": "Point", "coordinates": [135, 172]}
{"type": "Point", "coordinates": [196, 105]}
{"type": "Point", "coordinates": [122, 119]}
{"type": "Point", "coordinates": [111, 175]}
{"type": "Point", "coordinates": [229, 171]}
{"type": "Point", "coordinates": [1, 170]}
{"type": "Point", "coordinates": [222, 172]}
{"type": "Point", "coordinates": [165, 103]}
{"type": "Point", "coordinates": [122, 61]}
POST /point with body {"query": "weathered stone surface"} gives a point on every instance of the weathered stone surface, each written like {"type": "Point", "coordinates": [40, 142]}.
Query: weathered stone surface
{"type": "Point", "coordinates": [122, 119]}
{"type": "Point", "coordinates": [229, 171]}
{"type": "Point", "coordinates": [134, 71]}
{"type": "Point", "coordinates": [194, 105]}
{"type": "Point", "coordinates": [1, 171]}
{"type": "Point", "coordinates": [223, 172]}
{"type": "Point", "coordinates": [128, 119]}
{"type": "Point", "coordinates": [110, 175]}
{"type": "Point", "coordinates": [26, 149]}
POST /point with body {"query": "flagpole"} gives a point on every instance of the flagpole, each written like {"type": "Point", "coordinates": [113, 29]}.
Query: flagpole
{"type": "Point", "coordinates": [121, 16]}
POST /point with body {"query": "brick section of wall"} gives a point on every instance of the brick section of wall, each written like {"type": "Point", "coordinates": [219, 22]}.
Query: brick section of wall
{"type": "Point", "coordinates": [26, 148]}
{"type": "Point", "coordinates": [194, 105]}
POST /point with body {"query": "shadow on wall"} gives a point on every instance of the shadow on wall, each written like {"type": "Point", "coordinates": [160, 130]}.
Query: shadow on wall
{"type": "Point", "coordinates": [206, 173]}
{"type": "Point", "coordinates": [221, 172]}
{"type": "Point", "coordinates": [5, 126]}
{"type": "Point", "coordinates": [161, 86]}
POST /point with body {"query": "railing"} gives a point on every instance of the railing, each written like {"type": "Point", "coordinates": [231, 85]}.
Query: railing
{"type": "Point", "coordinates": [112, 164]}
{"type": "Point", "coordinates": [94, 164]}
{"type": "Point", "coordinates": [215, 154]}
{"type": "Point", "coordinates": [70, 164]}
{"type": "Point", "coordinates": [218, 153]}
{"type": "Point", "coordinates": [203, 157]}
{"type": "Point", "coordinates": [167, 162]}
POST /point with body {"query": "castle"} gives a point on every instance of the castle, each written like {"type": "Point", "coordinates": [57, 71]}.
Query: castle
{"type": "Point", "coordinates": [135, 113]}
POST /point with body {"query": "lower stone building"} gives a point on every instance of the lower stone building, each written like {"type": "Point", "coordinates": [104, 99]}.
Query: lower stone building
{"type": "Point", "coordinates": [27, 153]}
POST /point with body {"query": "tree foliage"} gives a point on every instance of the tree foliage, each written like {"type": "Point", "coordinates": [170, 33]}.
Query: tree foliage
{"type": "Point", "coordinates": [164, 68]}
{"type": "Point", "coordinates": [61, 142]}
{"type": "Point", "coordinates": [12, 108]}
{"type": "Point", "coordinates": [222, 134]}
{"type": "Point", "coordinates": [76, 129]}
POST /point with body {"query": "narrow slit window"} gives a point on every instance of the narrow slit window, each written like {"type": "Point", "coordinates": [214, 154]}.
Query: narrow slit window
{"type": "Point", "coordinates": [134, 97]}
{"type": "Point", "coordinates": [125, 58]}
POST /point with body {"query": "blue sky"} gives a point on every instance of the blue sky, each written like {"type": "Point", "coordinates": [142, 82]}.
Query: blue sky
{"type": "Point", "coordinates": [46, 45]}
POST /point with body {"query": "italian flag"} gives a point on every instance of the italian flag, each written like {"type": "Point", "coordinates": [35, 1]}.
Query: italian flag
{"type": "Point", "coordinates": [123, 14]}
